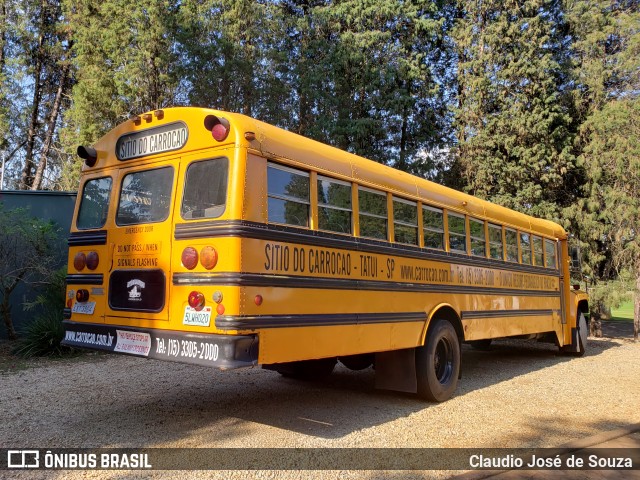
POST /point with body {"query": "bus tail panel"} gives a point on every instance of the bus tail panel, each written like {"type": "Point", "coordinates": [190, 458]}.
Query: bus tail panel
{"type": "Point", "coordinates": [220, 351]}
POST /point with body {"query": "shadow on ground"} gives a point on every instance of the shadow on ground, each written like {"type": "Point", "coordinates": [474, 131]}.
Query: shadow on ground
{"type": "Point", "coordinates": [133, 402]}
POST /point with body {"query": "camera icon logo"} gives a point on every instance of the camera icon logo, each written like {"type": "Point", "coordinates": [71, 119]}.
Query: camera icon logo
{"type": "Point", "coordinates": [23, 459]}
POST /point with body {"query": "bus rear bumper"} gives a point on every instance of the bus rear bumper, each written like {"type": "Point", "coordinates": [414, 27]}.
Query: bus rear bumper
{"type": "Point", "coordinates": [220, 351]}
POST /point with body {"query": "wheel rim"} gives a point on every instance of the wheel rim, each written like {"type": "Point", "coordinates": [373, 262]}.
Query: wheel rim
{"type": "Point", "coordinates": [443, 361]}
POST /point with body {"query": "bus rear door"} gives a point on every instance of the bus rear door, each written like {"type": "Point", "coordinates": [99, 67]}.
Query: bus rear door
{"type": "Point", "coordinates": [139, 281]}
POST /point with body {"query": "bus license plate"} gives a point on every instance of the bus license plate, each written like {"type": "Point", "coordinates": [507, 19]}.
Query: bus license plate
{"type": "Point", "coordinates": [200, 318]}
{"type": "Point", "coordinates": [84, 308]}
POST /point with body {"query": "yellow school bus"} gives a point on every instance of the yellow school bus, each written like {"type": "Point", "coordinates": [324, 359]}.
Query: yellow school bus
{"type": "Point", "coordinates": [212, 238]}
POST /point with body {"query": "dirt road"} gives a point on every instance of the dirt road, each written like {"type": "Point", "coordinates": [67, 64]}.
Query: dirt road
{"type": "Point", "coordinates": [516, 395]}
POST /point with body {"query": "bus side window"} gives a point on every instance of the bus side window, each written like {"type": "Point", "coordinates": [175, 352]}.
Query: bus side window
{"type": "Point", "coordinates": [496, 249]}
{"type": "Point", "coordinates": [288, 195]}
{"type": "Point", "coordinates": [511, 237]}
{"type": "Point", "coordinates": [478, 241]}
{"type": "Point", "coordinates": [550, 250]}
{"type": "Point", "coordinates": [334, 205]}
{"type": "Point", "coordinates": [405, 221]}
{"type": "Point", "coordinates": [372, 206]}
{"type": "Point", "coordinates": [457, 233]}
{"type": "Point", "coordinates": [525, 247]}
{"type": "Point", "coordinates": [538, 255]}
{"type": "Point", "coordinates": [433, 221]}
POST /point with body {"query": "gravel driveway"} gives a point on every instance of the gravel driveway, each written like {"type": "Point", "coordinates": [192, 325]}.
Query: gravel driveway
{"type": "Point", "coordinates": [518, 394]}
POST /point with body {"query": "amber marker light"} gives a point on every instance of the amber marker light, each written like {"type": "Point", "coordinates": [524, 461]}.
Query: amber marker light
{"type": "Point", "coordinates": [220, 309]}
{"type": "Point", "coordinates": [92, 260]}
{"type": "Point", "coordinates": [208, 257]}
{"type": "Point", "coordinates": [189, 258]}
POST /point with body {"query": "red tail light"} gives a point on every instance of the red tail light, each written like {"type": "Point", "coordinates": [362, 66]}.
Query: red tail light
{"type": "Point", "coordinates": [82, 295]}
{"type": "Point", "coordinates": [88, 154]}
{"type": "Point", "coordinates": [92, 260]}
{"type": "Point", "coordinates": [189, 258]}
{"type": "Point", "coordinates": [208, 257]}
{"type": "Point", "coordinates": [218, 126]}
{"type": "Point", "coordinates": [80, 261]}
{"type": "Point", "coordinates": [196, 300]}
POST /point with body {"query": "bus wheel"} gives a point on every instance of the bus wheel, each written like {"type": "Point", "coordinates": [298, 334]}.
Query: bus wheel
{"type": "Point", "coordinates": [482, 345]}
{"type": "Point", "coordinates": [357, 362]}
{"type": "Point", "coordinates": [583, 333]}
{"type": "Point", "coordinates": [438, 362]}
{"type": "Point", "coordinates": [307, 369]}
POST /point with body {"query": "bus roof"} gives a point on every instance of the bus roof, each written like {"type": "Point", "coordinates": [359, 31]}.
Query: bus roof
{"type": "Point", "coordinates": [276, 143]}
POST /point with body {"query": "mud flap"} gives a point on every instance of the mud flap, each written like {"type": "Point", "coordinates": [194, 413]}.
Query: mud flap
{"type": "Point", "coordinates": [396, 370]}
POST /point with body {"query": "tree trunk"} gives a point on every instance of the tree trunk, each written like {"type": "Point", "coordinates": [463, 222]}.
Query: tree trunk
{"type": "Point", "coordinates": [5, 311]}
{"type": "Point", "coordinates": [26, 179]}
{"type": "Point", "coordinates": [636, 310]}
{"type": "Point", "coordinates": [3, 35]}
{"type": "Point", "coordinates": [595, 325]}
{"type": "Point", "coordinates": [51, 126]}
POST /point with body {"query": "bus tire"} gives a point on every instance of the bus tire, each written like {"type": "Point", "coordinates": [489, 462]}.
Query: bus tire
{"type": "Point", "coordinates": [357, 362]}
{"type": "Point", "coordinates": [482, 345]}
{"type": "Point", "coordinates": [583, 333]}
{"type": "Point", "coordinates": [307, 369]}
{"type": "Point", "coordinates": [438, 362]}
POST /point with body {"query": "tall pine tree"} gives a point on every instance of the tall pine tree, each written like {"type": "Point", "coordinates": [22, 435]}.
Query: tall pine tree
{"type": "Point", "coordinates": [606, 55]}
{"type": "Point", "coordinates": [514, 132]}
{"type": "Point", "coordinates": [124, 55]}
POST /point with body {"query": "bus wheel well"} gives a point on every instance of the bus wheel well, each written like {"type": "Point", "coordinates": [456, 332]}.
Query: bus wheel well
{"type": "Point", "coordinates": [448, 313]}
{"type": "Point", "coordinates": [583, 306]}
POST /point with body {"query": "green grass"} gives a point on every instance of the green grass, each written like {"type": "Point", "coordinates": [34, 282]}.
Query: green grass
{"type": "Point", "coordinates": [624, 313]}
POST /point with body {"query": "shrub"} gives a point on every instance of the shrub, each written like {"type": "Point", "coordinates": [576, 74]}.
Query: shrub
{"type": "Point", "coordinates": [42, 337]}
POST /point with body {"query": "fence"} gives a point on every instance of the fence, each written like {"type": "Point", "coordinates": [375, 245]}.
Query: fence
{"type": "Point", "coordinates": [54, 206]}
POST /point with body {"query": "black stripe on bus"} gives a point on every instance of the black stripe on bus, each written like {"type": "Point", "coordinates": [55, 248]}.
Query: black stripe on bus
{"type": "Point", "coordinates": [79, 239]}
{"type": "Point", "coordinates": [467, 315]}
{"type": "Point", "coordinates": [253, 322]}
{"type": "Point", "coordinates": [280, 233]}
{"type": "Point", "coordinates": [85, 279]}
{"type": "Point", "coordinates": [290, 281]}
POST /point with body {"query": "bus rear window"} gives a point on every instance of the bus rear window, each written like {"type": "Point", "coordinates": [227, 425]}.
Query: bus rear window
{"type": "Point", "coordinates": [145, 197]}
{"type": "Point", "coordinates": [205, 189]}
{"type": "Point", "coordinates": [94, 204]}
